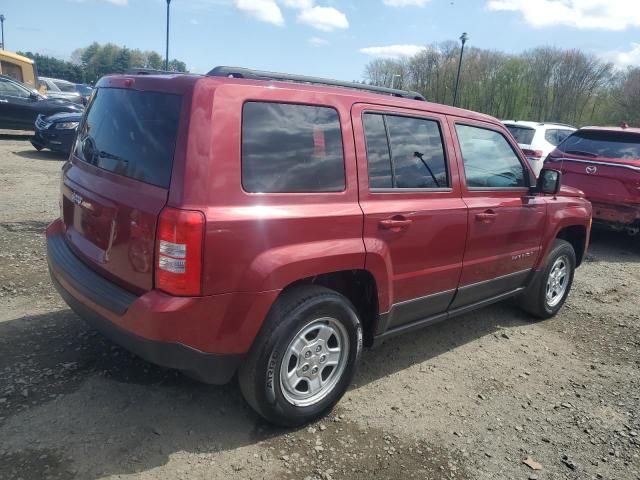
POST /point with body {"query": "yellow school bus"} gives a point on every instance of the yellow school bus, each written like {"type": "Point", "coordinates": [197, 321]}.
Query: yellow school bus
{"type": "Point", "coordinates": [21, 68]}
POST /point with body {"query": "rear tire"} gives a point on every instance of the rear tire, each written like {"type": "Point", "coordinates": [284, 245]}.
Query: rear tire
{"type": "Point", "coordinates": [552, 284]}
{"type": "Point", "coordinates": [304, 358]}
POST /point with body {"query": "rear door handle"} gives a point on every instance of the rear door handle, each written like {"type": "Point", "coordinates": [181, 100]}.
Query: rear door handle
{"type": "Point", "coordinates": [487, 216]}
{"type": "Point", "coordinates": [395, 224]}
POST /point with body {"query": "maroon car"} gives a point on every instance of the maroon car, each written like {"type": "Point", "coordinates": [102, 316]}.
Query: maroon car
{"type": "Point", "coordinates": [270, 225]}
{"type": "Point", "coordinates": [604, 162]}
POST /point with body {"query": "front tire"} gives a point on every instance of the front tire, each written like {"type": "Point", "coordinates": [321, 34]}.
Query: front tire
{"type": "Point", "coordinates": [304, 358]}
{"type": "Point", "coordinates": [551, 286]}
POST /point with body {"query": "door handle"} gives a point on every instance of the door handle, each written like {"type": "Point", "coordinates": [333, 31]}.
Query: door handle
{"type": "Point", "coordinates": [2, 100]}
{"type": "Point", "coordinates": [396, 224]}
{"type": "Point", "coordinates": [487, 216]}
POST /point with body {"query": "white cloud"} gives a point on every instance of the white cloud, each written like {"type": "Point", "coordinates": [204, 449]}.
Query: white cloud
{"type": "Point", "coordinates": [326, 19]}
{"type": "Point", "coordinates": [585, 14]}
{"type": "Point", "coordinates": [318, 42]}
{"type": "Point", "coordinates": [393, 51]}
{"type": "Point", "coordinates": [624, 59]}
{"type": "Point", "coordinates": [263, 10]}
{"type": "Point", "coordinates": [299, 4]}
{"type": "Point", "coordinates": [405, 3]}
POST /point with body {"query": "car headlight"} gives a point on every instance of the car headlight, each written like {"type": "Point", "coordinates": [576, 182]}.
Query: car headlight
{"type": "Point", "coordinates": [66, 125]}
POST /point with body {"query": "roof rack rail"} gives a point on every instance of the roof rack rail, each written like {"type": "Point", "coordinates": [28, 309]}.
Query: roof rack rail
{"type": "Point", "coordinates": [239, 72]}
{"type": "Point", "coordinates": [558, 124]}
{"type": "Point", "coordinates": [150, 71]}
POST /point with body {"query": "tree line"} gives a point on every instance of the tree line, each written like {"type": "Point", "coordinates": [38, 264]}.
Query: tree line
{"type": "Point", "coordinates": [88, 64]}
{"type": "Point", "coordinates": [544, 84]}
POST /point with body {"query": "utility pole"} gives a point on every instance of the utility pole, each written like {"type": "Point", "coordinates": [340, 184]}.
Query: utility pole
{"type": "Point", "coordinates": [463, 38]}
{"type": "Point", "coordinates": [166, 56]}
{"type": "Point", "coordinates": [2, 24]}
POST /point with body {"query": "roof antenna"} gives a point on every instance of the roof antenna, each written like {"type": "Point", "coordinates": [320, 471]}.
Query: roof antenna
{"type": "Point", "coordinates": [624, 125]}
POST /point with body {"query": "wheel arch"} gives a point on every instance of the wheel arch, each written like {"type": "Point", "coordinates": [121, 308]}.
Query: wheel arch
{"type": "Point", "coordinates": [359, 286]}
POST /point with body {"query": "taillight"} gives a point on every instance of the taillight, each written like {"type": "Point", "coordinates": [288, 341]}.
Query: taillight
{"type": "Point", "coordinates": [532, 153]}
{"type": "Point", "coordinates": [179, 251]}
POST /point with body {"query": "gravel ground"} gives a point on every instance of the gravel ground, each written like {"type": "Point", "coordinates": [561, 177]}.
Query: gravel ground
{"type": "Point", "coordinates": [473, 398]}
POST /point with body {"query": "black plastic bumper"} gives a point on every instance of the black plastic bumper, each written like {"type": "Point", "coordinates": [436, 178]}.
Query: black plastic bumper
{"type": "Point", "coordinates": [206, 367]}
{"type": "Point", "coordinates": [55, 140]}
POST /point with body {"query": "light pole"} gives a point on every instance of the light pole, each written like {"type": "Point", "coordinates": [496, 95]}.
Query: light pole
{"type": "Point", "coordinates": [2, 24]}
{"type": "Point", "coordinates": [393, 78]}
{"type": "Point", "coordinates": [463, 38]}
{"type": "Point", "coordinates": [166, 55]}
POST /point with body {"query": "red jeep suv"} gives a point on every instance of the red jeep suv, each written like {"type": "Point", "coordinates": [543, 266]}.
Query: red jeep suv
{"type": "Point", "coordinates": [604, 162]}
{"type": "Point", "coordinates": [269, 225]}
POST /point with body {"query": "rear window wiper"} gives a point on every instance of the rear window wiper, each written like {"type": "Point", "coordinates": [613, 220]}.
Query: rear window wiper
{"type": "Point", "coordinates": [580, 152]}
{"type": "Point", "coordinates": [111, 156]}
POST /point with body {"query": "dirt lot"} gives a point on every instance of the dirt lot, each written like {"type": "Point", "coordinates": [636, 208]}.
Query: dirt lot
{"type": "Point", "coordinates": [468, 399]}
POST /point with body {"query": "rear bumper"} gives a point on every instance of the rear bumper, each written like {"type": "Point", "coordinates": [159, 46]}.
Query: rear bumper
{"type": "Point", "coordinates": [208, 337]}
{"type": "Point", "coordinates": [622, 215]}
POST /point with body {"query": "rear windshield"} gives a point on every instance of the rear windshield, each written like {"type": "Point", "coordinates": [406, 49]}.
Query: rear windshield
{"type": "Point", "coordinates": [621, 145]}
{"type": "Point", "coordinates": [522, 134]}
{"type": "Point", "coordinates": [131, 133]}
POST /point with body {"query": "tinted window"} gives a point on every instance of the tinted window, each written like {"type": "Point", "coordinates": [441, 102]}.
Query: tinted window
{"type": "Point", "coordinates": [417, 153]}
{"type": "Point", "coordinates": [556, 136]}
{"type": "Point", "coordinates": [378, 157]}
{"type": "Point", "coordinates": [131, 133]}
{"type": "Point", "coordinates": [291, 148]}
{"type": "Point", "coordinates": [11, 89]}
{"type": "Point", "coordinates": [522, 135]}
{"type": "Point", "coordinates": [11, 69]}
{"type": "Point", "coordinates": [489, 161]}
{"type": "Point", "coordinates": [624, 145]}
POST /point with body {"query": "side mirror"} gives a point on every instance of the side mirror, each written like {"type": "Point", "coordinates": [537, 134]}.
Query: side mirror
{"type": "Point", "coordinates": [549, 181]}
{"type": "Point", "coordinates": [33, 96]}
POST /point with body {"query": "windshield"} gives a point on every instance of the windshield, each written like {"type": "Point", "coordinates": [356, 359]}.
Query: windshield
{"type": "Point", "coordinates": [522, 135]}
{"type": "Point", "coordinates": [593, 143]}
{"type": "Point", "coordinates": [131, 133]}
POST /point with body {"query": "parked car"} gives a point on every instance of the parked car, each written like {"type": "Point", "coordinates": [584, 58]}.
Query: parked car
{"type": "Point", "coordinates": [56, 132]}
{"type": "Point", "coordinates": [271, 224]}
{"type": "Point", "coordinates": [20, 106]}
{"type": "Point", "coordinates": [56, 88]}
{"type": "Point", "coordinates": [537, 140]}
{"type": "Point", "coordinates": [604, 162]}
{"type": "Point", "coordinates": [85, 91]}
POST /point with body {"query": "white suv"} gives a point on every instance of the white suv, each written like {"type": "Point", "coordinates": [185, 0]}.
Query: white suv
{"type": "Point", "coordinates": [537, 140]}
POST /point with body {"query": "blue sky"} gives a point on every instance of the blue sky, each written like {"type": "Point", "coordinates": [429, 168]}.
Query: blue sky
{"type": "Point", "coordinates": [331, 38]}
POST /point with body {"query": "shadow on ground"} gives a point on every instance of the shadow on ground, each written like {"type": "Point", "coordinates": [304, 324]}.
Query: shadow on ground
{"type": "Point", "coordinates": [70, 396]}
{"type": "Point", "coordinates": [26, 135]}
{"type": "Point", "coordinates": [61, 378]}
{"type": "Point", "coordinates": [41, 155]}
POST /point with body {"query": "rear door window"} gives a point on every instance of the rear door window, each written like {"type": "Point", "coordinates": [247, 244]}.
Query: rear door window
{"type": "Point", "coordinates": [489, 161]}
{"type": "Point", "coordinates": [594, 143]}
{"type": "Point", "coordinates": [131, 133]}
{"type": "Point", "coordinates": [291, 148]}
{"type": "Point", "coordinates": [523, 135]}
{"type": "Point", "coordinates": [556, 136]}
{"type": "Point", "coordinates": [404, 152]}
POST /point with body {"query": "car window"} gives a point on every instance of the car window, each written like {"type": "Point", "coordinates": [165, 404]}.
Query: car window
{"type": "Point", "coordinates": [291, 148]}
{"type": "Point", "coordinates": [523, 135]}
{"type": "Point", "coordinates": [556, 136]}
{"type": "Point", "coordinates": [131, 133]}
{"type": "Point", "coordinates": [623, 145]}
{"type": "Point", "coordinates": [489, 161]}
{"type": "Point", "coordinates": [65, 87]}
{"type": "Point", "coordinates": [414, 156]}
{"type": "Point", "coordinates": [13, 90]}
{"type": "Point", "coordinates": [11, 69]}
